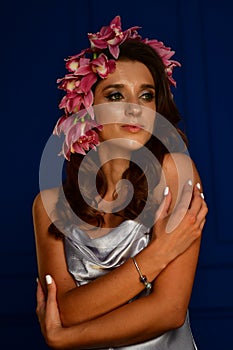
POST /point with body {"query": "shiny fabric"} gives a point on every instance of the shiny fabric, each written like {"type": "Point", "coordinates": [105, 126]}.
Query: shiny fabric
{"type": "Point", "coordinates": [89, 258]}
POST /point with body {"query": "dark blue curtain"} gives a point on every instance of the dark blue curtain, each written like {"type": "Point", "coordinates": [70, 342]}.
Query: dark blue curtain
{"type": "Point", "coordinates": [35, 38]}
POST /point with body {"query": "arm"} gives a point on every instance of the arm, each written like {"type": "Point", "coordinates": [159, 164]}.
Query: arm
{"type": "Point", "coordinates": [109, 330]}
{"type": "Point", "coordinates": [164, 309]}
{"type": "Point", "coordinates": [78, 304]}
{"type": "Point", "coordinates": [169, 300]}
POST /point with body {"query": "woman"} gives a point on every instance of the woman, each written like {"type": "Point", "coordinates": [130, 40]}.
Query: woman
{"type": "Point", "coordinates": [122, 249]}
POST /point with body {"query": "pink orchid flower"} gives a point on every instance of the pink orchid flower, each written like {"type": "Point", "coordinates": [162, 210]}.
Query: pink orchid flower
{"type": "Point", "coordinates": [68, 83]}
{"type": "Point", "coordinates": [86, 142]}
{"type": "Point", "coordinates": [72, 62]}
{"type": "Point", "coordinates": [79, 135]}
{"type": "Point", "coordinates": [79, 94]}
{"type": "Point", "coordinates": [165, 53]}
{"type": "Point", "coordinates": [85, 68]}
{"type": "Point", "coordinates": [74, 101]}
{"type": "Point", "coordinates": [111, 37]}
{"type": "Point", "coordinates": [103, 66]}
{"type": "Point", "coordinates": [63, 124]}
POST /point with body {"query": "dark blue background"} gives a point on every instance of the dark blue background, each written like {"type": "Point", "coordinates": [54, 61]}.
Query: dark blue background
{"type": "Point", "coordinates": [35, 38]}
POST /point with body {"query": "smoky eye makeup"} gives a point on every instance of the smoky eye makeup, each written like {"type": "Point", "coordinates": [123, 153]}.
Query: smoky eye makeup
{"type": "Point", "coordinates": [114, 92]}
{"type": "Point", "coordinates": [114, 96]}
{"type": "Point", "coordinates": [148, 96]}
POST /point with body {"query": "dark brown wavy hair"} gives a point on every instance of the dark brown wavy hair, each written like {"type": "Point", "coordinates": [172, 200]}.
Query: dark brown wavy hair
{"type": "Point", "coordinates": [145, 176]}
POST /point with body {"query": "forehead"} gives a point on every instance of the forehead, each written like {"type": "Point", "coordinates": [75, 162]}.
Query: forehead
{"type": "Point", "coordinates": [129, 72]}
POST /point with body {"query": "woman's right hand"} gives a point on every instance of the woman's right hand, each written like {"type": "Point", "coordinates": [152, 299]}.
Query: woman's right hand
{"type": "Point", "coordinates": [48, 314]}
{"type": "Point", "coordinates": [173, 233]}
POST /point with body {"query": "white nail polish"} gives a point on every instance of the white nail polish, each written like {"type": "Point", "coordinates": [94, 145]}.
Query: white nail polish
{"type": "Point", "coordinates": [190, 182]}
{"type": "Point", "coordinates": [48, 279]}
{"type": "Point", "coordinates": [202, 195]}
{"type": "Point", "coordinates": [198, 185]}
{"type": "Point", "coordinates": [166, 190]}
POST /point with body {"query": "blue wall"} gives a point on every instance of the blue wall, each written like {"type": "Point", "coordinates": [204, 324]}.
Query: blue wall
{"type": "Point", "coordinates": [35, 38]}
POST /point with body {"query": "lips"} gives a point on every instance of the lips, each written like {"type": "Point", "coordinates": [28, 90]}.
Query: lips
{"type": "Point", "coordinates": [132, 127]}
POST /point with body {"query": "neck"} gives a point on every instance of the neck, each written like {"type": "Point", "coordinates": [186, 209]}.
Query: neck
{"type": "Point", "coordinates": [114, 161]}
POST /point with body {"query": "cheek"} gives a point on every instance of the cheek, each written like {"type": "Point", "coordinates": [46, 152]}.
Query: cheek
{"type": "Point", "coordinates": [107, 132]}
{"type": "Point", "coordinates": [146, 137]}
{"type": "Point", "coordinates": [149, 122]}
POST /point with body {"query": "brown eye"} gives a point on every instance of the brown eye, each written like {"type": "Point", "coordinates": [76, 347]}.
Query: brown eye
{"type": "Point", "coordinates": [114, 96]}
{"type": "Point", "coordinates": [148, 96]}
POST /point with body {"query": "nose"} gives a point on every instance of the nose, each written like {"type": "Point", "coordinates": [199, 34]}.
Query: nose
{"type": "Point", "coordinates": [133, 110]}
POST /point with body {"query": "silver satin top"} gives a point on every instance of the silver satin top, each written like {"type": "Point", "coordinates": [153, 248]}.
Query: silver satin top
{"type": "Point", "coordinates": [89, 258]}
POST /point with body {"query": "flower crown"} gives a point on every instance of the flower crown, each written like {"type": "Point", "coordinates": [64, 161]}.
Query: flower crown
{"type": "Point", "coordinates": [78, 122]}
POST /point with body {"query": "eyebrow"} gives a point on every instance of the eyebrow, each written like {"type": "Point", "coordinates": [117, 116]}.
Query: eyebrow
{"type": "Point", "coordinates": [120, 86]}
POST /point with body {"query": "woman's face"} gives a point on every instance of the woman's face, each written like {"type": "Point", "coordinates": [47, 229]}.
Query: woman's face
{"type": "Point", "coordinates": [129, 111]}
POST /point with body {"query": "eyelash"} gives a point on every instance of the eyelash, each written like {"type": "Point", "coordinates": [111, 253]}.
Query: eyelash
{"type": "Point", "coordinates": [112, 96]}
{"type": "Point", "coordinates": [117, 96]}
{"type": "Point", "coordinates": [149, 96]}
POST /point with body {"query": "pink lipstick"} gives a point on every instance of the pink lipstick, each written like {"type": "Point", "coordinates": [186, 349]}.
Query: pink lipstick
{"type": "Point", "coordinates": [134, 128]}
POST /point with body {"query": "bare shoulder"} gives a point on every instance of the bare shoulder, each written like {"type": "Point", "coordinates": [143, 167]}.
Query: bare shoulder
{"type": "Point", "coordinates": [44, 202]}
{"type": "Point", "coordinates": [179, 167]}
{"type": "Point", "coordinates": [177, 170]}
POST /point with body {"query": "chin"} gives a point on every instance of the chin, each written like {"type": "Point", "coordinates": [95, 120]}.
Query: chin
{"type": "Point", "coordinates": [127, 144]}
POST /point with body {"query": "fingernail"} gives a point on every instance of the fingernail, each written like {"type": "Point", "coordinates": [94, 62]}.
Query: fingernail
{"type": "Point", "coordinates": [37, 279]}
{"type": "Point", "coordinates": [190, 182]}
{"type": "Point", "coordinates": [166, 190]}
{"type": "Point", "coordinates": [202, 195]}
{"type": "Point", "coordinates": [198, 185]}
{"type": "Point", "coordinates": [48, 279]}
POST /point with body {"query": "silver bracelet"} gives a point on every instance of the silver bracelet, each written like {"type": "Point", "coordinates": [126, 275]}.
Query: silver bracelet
{"type": "Point", "coordinates": [143, 279]}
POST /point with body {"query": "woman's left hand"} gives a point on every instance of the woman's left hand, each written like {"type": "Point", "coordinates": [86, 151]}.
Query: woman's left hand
{"type": "Point", "coordinates": [48, 314]}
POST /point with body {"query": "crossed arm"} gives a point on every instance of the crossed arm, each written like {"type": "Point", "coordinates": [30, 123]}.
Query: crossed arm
{"type": "Point", "coordinates": [97, 314]}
